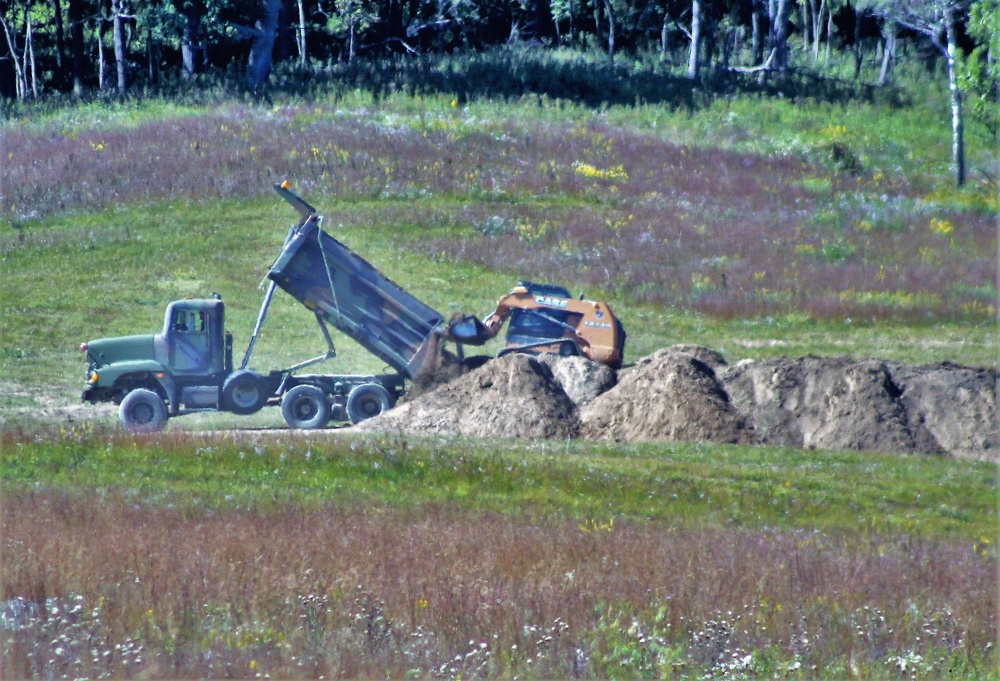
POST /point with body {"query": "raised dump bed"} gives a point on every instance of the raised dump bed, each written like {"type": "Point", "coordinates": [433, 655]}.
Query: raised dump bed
{"type": "Point", "coordinates": [345, 290]}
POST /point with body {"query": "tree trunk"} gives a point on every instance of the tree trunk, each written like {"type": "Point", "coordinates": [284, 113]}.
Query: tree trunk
{"type": "Point", "coordinates": [350, 43]}
{"type": "Point", "coordinates": [100, 56]}
{"type": "Point", "coordinates": [888, 52]}
{"type": "Point", "coordinates": [29, 53]}
{"type": "Point", "coordinates": [804, 12]}
{"type": "Point", "coordinates": [817, 26]}
{"type": "Point", "coordinates": [857, 42]}
{"type": "Point", "coordinates": [20, 82]}
{"type": "Point", "coordinates": [192, 54]}
{"type": "Point", "coordinates": [259, 66]}
{"type": "Point", "coordinates": [957, 118]}
{"type": "Point", "coordinates": [695, 39]}
{"type": "Point", "coordinates": [301, 42]}
{"type": "Point", "coordinates": [118, 27]}
{"type": "Point", "coordinates": [663, 35]}
{"type": "Point", "coordinates": [829, 36]}
{"type": "Point", "coordinates": [611, 29]}
{"type": "Point", "coordinates": [152, 58]}
{"type": "Point", "coordinates": [756, 40]}
{"type": "Point", "coordinates": [778, 58]}
{"type": "Point", "coordinates": [77, 45]}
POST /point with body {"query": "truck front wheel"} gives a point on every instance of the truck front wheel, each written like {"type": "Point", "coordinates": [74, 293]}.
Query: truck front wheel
{"type": "Point", "coordinates": [367, 400]}
{"type": "Point", "coordinates": [306, 407]}
{"type": "Point", "coordinates": [143, 411]}
{"type": "Point", "coordinates": [244, 392]}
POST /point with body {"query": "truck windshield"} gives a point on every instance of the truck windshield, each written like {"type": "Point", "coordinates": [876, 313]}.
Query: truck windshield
{"type": "Point", "coordinates": [187, 321]}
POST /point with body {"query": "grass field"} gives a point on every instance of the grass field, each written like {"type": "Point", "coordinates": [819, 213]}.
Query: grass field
{"type": "Point", "coordinates": [757, 226]}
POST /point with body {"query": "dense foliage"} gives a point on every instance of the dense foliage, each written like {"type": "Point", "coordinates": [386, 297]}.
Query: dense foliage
{"type": "Point", "coordinates": [80, 45]}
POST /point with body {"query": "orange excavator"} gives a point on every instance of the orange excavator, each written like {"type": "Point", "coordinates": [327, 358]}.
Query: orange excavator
{"type": "Point", "coordinates": [545, 319]}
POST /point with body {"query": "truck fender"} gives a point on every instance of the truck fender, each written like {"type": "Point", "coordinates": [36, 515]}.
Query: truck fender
{"type": "Point", "coordinates": [144, 372]}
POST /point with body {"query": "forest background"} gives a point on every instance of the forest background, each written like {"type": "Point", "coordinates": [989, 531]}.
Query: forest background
{"type": "Point", "coordinates": [124, 46]}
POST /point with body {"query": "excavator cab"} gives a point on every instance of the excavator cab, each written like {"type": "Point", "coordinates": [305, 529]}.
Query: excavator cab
{"type": "Point", "coordinates": [527, 327]}
{"type": "Point", "coordinates": [545, 319]}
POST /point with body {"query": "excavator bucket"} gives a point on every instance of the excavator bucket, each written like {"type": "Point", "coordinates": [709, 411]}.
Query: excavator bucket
{"type": "Point", "coordinates": [467, 329]}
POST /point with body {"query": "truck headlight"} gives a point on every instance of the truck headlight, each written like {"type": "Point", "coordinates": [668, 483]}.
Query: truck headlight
{"type": "Point", "coordinates": [93, 378]}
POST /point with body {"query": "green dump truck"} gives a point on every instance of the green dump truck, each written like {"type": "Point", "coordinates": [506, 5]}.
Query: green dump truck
{"type": "Point", "coordinates": [189, 365]}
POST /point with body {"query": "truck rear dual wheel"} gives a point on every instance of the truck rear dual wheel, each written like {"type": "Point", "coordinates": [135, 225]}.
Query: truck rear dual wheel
{"type": "Point", "coordinates": [244, 392]}
{"type": "Point", "coordinates": [367, 400]}
{"type": "Point", "coordinates": [143, 411]}
{"type": "Point", "coordinates": [306, 407]}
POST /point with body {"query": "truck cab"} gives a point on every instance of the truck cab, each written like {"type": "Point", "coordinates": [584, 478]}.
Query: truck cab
{"type": "Point", "coordinates": [187, 364]}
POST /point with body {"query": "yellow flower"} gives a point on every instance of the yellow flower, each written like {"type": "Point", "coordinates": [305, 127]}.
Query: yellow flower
{"type": "Point", "coordinates": [613, 173]}
{"type": "Point", "coordinates": [942, 227]}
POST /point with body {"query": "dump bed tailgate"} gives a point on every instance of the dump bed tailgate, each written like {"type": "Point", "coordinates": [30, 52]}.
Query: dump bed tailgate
{"type": "Point", "coordinates": [347, 291]}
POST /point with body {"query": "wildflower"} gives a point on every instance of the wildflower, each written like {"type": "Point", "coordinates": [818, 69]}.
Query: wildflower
{"type": "Point", "coordinates": [942, 227]}
{"type": "Point", "coordinates": [613, 173]}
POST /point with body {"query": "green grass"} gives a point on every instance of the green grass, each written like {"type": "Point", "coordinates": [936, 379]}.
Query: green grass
{"type": "Point", "coordinates": [684, 485]}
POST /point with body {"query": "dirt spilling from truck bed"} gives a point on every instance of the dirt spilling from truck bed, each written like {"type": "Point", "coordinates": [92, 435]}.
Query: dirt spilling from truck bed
{"type": "Point", "coordinates": [689, 393]}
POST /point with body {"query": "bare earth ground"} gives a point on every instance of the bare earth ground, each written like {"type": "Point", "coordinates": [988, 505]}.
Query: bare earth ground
{"type": "Point", "coordinates": [679, 393]}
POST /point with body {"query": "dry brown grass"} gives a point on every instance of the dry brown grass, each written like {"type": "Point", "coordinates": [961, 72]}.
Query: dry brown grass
{"type": "Point", "coordinates": [167, 592]}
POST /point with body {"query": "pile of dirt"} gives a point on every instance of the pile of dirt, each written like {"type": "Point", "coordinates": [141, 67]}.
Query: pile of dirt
{"type": "Point", "coordinates": [670, 395]}
{"type": "Point", "coordinates": [955, 405]}
{"type": "Point", "coordinates": [825, 403]}
{"type": "Point", "coordinates": [513, 396]}
{"type": "Point", "coordinates": [581, 379]}
{"type": "Point", "coordinates": [688, 393]}
{"type": "Point", "coordinates": [842, 403]}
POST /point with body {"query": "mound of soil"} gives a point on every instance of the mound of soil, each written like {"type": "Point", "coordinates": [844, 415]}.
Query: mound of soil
{"type": "Point", "coordinates": [513, 396]}
{"type": "Point", "coordinates": [956, 406]}
{"type": "Point", "coordinates": [669, 395]}
{"type": "Point", "coordinates": [827, 403]}
{"type": "Point", "coordinates": [688, 393]}
{"type": "Point", "coordinates": [842, 403]}
{"type": "Point", "coordinates": [581, 379]}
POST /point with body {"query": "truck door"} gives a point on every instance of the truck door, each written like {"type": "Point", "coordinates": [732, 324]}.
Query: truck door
{"type": "Point", "coordinates": [190, 348]}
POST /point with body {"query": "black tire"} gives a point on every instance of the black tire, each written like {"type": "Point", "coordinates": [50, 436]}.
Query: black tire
{"type": "Point", "coordinates": [143, 411]}
{"type": "Point", "coordinates": [306, 407]}
{"type": "Point", "coordinates": [244, 392]}
{"type": "Point", "coordinates": [367, 400]}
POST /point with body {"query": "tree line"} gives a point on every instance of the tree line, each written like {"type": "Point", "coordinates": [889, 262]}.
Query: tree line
{"type": "Point", "coordinates": [82, 46]}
